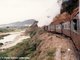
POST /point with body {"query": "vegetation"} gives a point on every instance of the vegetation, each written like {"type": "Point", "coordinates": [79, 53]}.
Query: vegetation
{"type": "Point", "coordinates": [32, 33]}
{"type": "Point", "coordinates": [51, 54]}
{"type": "Point", "coordinates": [12, 29]}
{"type": "Point", "coordinates": [1, 44]}
{"type": "Point", "coordinates": [5, 30]}
{"type": "Point", "coordinates": [25, 48]}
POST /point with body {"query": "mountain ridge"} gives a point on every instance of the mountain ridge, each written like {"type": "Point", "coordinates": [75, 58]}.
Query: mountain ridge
{"type": "Point", "coordinates": [20, 23]}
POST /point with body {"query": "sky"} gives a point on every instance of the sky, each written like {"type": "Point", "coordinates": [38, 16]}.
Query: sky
{"type": "Point", "coordinates": [20, 10]}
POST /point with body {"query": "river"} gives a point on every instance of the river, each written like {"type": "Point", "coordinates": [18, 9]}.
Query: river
{"type": "Point", "coordinates": [12, 39]}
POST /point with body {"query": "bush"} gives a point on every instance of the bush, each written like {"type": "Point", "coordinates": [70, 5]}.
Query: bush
{"type": "Point", "coordinates": [1, 44]}
{"type": "Point", "coordinates": [1, 36]}
{"type": "Point", "coordinates": [5, 30]}
{"type": "Point", "coordinates": [25, 48]}
{"type": "Point", "coordinates": [32, 33]}
{"type": "Point", "coordinates": [51, 54]}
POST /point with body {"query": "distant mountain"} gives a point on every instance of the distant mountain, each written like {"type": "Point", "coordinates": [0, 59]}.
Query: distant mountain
{"type": "Point", "coordinates": [19, 24]}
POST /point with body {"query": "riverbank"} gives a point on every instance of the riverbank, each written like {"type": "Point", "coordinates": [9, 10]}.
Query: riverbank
{"type": "Point", "coordinates": [12, 39]}
{"type": "Point", "coordinates": [2, 36]}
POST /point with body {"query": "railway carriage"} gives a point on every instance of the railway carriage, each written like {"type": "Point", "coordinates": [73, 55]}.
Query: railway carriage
{"type": "Point", "coordinates": [45, 28]}
{"type": "Point", "coordinates": [70, 28]}
{"type": "Point", "coordinates": [67, 22]}
{"type": "Point", "coordinates": [49, 28]}
{"type": "Point", "coordinates": [75, 31]}
{"type": "Point", "coordinates": [66, 28]}
{"type": "Point", "coordinates": [52, 28]}
{"type": "Point", "coordinates": [58, 28]}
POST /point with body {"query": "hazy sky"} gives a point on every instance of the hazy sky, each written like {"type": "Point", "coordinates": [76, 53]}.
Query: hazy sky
{"type": "Point", "coordinates": [20, 10]}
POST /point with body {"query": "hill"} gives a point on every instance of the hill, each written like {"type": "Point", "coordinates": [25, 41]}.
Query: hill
{"type": "Point", "coordinates": [19, 24]}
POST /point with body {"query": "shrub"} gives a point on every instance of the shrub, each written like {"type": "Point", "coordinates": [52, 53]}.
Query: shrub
{"type": "Point", "coordinates": [1, 44]}
{"type": "Point", "coordinates": [51, 54]}
{"type": "Point", "coordinates": [25, 48]}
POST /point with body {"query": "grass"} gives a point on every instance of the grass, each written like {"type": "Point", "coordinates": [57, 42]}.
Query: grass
{"type": "Point", "coordinates": [51, 54]}
{"type": "Point", "coordinates": [5, 30]}
{"type": "Point", "coordinates": [32, 33]}
{"type": "Point", "coordinates": [25, 48]}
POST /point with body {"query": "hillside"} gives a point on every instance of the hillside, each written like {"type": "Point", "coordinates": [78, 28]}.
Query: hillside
{"type": "Point", "coordinates": [43, 46]}
{"type": "Point", "coordinates": [20, 23]}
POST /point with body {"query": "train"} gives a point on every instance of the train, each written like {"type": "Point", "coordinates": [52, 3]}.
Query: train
{"type": "Point", "coordinates": [67, 24]}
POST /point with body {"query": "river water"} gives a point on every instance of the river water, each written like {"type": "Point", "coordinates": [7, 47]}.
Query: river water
{"type": "Point", "coordinates": [8, 38]}
{"type": "Point", "coordinates": [12, 40]}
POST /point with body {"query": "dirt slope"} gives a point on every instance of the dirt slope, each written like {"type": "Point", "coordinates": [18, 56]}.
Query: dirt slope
{"type": "Point", "coordinates": [54, 47]}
